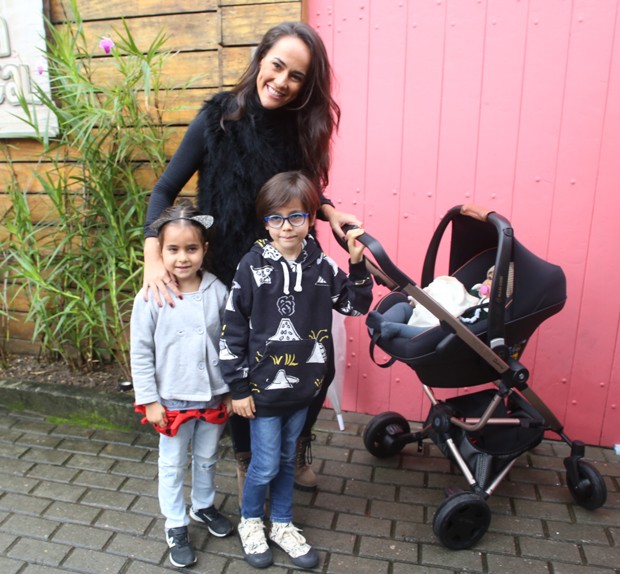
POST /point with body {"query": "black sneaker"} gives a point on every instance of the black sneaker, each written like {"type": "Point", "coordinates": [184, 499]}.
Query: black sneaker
{"type": "Point", "coordinates": [217, 523]}
{"type": "Point", "coordinates": [181, 551]}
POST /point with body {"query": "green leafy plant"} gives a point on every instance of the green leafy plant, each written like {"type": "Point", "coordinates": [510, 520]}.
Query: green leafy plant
{"type": "Point", "coordinates": [80, 266]}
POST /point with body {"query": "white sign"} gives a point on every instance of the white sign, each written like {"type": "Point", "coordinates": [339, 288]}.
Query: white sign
{"type": "Point", "coordinates": [22, 66]}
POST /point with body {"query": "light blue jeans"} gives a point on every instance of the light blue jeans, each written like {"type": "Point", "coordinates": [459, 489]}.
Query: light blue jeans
{"type": "Point", "coordinates": [173, 454]}
{"type": "Point", "coordinates": [272, 467]}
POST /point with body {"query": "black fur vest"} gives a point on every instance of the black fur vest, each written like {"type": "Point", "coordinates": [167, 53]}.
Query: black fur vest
{"type": "Point", "coordinates": [238, 160]}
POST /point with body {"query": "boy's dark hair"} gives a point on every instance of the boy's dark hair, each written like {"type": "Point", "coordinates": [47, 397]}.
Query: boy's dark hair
{"type": "Point", "coordinates": [285, 187]}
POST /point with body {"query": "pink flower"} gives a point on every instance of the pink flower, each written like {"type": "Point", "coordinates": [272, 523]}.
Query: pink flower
{"type": "Point", "coordinates": [106, 44]}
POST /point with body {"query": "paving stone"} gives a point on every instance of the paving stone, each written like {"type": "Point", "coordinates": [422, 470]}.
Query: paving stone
{"type": "Point", "coordinates": [100, 480]}
{"type": "Point", "coordinates": [90, 462]}
{"type": "Point", "coordinates": [34, 426]}
{"type": "Point", "coordinates": [146, 505]}
{"type": "Point", "coordinates": [370, 490]}
{"type": "Point", "coordinates": [330, 540]}
{"type": "Point", "coordinates": [112, 436]}
{"type": "Point", "coordinates": [560, 568]}
{"type": "Point", "coordinates": [135, 470]}
{"type": "Point", "coordinates": [52, 472]}
{"type": "Point", "coordinates": [463, 560]}
{"type": "Point", "coordinates": [77, 513]}
{"type": "Point", "coordinates": [50, 456]}
{"type": "Point", "coordinates": [552, 550]}
{"type": "Point", "coordinates": [602, 555]}
{"type": "Point", "coordinates": [10, 566]}
{"type": "Point", "coordinates": [124, 451]}
{"type": "Point", "coordinates": [6, 540]}
{"type": "Point", "coordinates": [127, 522]}
{"type": "Point", "coordinates": [39, 440]}
{"type": "Point", "coordinates": [146, 568]}
{"type": "Point", "coordinates": [396, 511]}
{"type": "Point", "coordinates": [139, 548]}
{"type": "Point", "coordinates": [82, 536]}
{"type": "Point", "coordinates": [348, 470]}
{"type": "Point", "coordinates": [23, 504]}
{"type": "Point", "coordinates": [342, 564]}
{"type": "Point", "coordinates": [30, 526]}
{"type": "Point", "coordinates": [77, 445]}
{"type": "Point", "coordinates": [363, 525]}
{"type": "Point", "coordinates": [11, 451]}
{"type": "Point", "coordinates": [399, 477]}
{"type": "Point", "coordinates": [577, 532]}
{"type": "Point", "coordinates": [59, 491]}
{"type": "Point", "coordinates": [92, 562]}
{"type": "Point", "coordinates": [388, 549]}
{"type": "Point", "coordinates": [545, 510]}
{"type": "Point", "coordinates": [108, 499]}
{"type": "Point", "coordinates": [10, 483]}
{"type": "Point", "coordinates": [515, 525]}
{"type": "Point", "coordinates": [341, 502]}
{"type": "Point", "coordinates": [501, 564]}
{"type": "Point", "coordinates": [39, 552]}
{"type": "Point", "coordinates": [145, 487]}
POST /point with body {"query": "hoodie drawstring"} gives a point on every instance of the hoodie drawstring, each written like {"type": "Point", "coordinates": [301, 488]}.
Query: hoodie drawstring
{"type": "Point", "coordinates": [287, 279]}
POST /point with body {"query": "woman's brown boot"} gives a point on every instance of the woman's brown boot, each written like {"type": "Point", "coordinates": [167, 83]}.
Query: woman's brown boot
{"type": "Point", "coordinates": [305, 477]}
{"type": "Point", "coordinates": [243, 461]}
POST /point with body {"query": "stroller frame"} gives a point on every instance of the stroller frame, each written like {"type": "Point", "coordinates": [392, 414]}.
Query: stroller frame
{"type": "Point", "coordinates": [513, 409]}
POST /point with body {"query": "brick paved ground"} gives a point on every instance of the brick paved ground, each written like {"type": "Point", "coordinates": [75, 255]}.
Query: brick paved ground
{"type": "Point", "coordinates": [81, 500]}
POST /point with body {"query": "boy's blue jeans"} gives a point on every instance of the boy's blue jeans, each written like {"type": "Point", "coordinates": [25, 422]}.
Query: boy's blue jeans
{"type": "Point", "coordinates": [173, 451]}
{"type": "Point", "coordinates": [274, 443]}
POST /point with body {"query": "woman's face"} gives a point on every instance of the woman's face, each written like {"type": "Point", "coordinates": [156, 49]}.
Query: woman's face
{"type": "Point", "coordinates": [282, 72]}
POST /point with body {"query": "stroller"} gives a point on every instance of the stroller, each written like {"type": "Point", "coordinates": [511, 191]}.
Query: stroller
{"type": "Point", "coordinates": [482, 432]}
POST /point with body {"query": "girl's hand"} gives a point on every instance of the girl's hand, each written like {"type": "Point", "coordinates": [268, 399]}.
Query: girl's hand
{"type": "Point", "coordinates": [338, 218]}
{"type": "Point", "coordinates": [227, 401]}
{"type": "Point", "coordinates": [156, 278]}
{"type": "Point", "coordinates": [244, 407]}
{"type": "Point", "coordinates": [356, 249]}
{"type": "Point", "coordinates": [156, 414]}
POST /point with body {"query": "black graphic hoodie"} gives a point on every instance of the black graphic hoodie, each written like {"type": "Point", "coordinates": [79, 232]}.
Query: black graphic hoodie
{"type": "Point", "coordinates": [276, 339]}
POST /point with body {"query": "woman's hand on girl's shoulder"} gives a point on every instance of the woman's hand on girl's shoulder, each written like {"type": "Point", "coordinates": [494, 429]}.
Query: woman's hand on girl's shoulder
{"type": "Point", "coordinates": [155, 276]}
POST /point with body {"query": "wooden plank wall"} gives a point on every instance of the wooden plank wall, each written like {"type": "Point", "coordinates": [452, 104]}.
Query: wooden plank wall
{"type": "Point", "coordinates": [511, 104]}
{"type": "Point", "coordinates": [213, 38]}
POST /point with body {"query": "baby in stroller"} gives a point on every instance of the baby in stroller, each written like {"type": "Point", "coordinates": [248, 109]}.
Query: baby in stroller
{"type": "Point", "coordinates": [409, 319]}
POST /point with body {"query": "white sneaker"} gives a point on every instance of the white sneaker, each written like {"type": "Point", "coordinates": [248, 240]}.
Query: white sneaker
{"type": "Point", "coordinates": [256, 551]}
{"type": "Point", "coordinates": [288, 537]}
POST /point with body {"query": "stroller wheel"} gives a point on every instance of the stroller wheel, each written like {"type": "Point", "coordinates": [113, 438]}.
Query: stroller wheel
{"type": "Point", "coordinates": [590, 491]}
{"type": "Point", "coordinates": [380, 434]}
{"type": "Point", "coordinates": [461, 520]}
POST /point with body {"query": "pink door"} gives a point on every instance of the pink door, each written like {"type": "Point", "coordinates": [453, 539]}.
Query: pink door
{"type": "Point", "coordinates": [513, 105]}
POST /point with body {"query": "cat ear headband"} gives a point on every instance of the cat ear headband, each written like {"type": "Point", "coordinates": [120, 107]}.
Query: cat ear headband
{"type": "Point", "coordinates": [205, 220]}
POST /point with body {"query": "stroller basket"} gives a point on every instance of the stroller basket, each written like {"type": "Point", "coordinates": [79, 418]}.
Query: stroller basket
{"type": "Point", "coordinates": [482, 432]}
{"type": "Point", "coordinates": [488, 451]}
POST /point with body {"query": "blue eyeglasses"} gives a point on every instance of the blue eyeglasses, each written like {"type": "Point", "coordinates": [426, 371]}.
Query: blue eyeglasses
{"type": "Point", "coordinates": [277, 221]}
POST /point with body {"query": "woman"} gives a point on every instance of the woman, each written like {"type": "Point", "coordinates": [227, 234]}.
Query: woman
{"type": "Point", "coordinates": [280, 117]}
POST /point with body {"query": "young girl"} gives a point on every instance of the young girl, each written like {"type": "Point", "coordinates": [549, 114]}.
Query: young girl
{"type": "Point", "coordinates": [176, 377]}
{"type": "Point", "coordinates": [275, 351]}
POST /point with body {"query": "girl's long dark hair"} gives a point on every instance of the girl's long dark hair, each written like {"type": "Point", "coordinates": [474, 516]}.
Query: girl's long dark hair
{"type": "Point", "coordinates": [318, 114]}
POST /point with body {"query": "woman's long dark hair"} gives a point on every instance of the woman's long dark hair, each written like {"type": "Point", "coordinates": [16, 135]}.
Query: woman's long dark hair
{"type": "Point", "coordinates": [318, 114]}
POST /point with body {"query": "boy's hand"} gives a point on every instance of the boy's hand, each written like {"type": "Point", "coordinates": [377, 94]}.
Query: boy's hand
{"type": "Point", "coordinates": [244, 407]}
{"type": "Point", "coordinates": [355, 247]}
{"type": "Point", "coordinates": [156, 414]}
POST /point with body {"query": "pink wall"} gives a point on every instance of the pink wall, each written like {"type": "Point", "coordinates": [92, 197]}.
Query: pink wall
{"type": "Point", "coordinates": [511, 104]}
